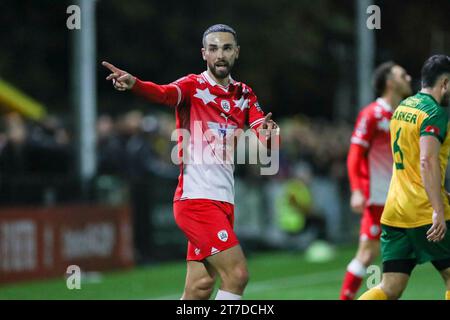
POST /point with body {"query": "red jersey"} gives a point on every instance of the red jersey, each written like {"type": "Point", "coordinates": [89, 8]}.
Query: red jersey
{"type": "Point", "coordinates": [372, 133]}
{"type": "Point", "coordinates": [210, 113]}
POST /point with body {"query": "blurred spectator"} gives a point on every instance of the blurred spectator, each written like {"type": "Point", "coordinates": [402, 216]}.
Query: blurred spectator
{"type": "Point", "coordinates": [14, 151]}
{"type": "Point", "coordinates": [142, 167]}
{"type": "Point", "coordinates": [49, 140]}
{"type": "Point", "coordinates": [134, 153]}
{"type": "Point", "coordinates": [14, 159]}
{"type": "Point", "coordinates": [109, 147]}
{"type": "Point", "coordinates": [294, 208]}
{"type": "Point", "coordinates": [34, 157]}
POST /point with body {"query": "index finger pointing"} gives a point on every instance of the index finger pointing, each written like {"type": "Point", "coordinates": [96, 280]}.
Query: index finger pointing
{"type": "Point", "coordinates": [110, 66]}
{"type": "Point", "coordinates": [267, 117]}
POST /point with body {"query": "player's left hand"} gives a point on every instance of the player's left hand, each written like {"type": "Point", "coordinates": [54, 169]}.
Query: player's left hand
{"type": "Point", "coordinates": [268, 124]}
{"type": "Point", "coordinates": [121, 79]}
{"type": "Point", "coordinates": [438, 229]}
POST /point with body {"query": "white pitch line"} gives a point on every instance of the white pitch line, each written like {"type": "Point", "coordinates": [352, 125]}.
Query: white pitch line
{"type": "Point", "coordinates": [298, 281]}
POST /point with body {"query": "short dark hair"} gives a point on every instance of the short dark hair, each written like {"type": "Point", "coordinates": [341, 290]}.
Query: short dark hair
{"type": "Point", "coordinates": [433, 68]}
{"type": "Point", "coordinates": [381, 75]}
{"type": "Point", "coordinates": [219, 28]}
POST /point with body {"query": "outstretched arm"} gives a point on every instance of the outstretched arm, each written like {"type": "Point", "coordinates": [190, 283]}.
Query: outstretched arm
{"type": "Point", "coordinates": [162, 94]}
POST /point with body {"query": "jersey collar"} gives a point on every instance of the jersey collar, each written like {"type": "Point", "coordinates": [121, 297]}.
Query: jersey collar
{"type": "Point", "coordinates": [429, 95]}
{"type": "Point", "coordinates": [212, 82]}
{"type": "Point", "coordinates": [383, 103]}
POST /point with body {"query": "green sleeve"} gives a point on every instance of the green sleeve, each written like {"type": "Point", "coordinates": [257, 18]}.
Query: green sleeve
{"type": "Point", "coordinates": [435, 125]}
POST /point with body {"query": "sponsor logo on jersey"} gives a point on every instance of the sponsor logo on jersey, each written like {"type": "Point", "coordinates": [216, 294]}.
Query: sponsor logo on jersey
{"type": "Point", "coordinates": [432, 129]}
{"type": "Point", "coordinates": [411, 102]}
{"type": "Point", "coordinates": [222, 235]}
{"type": "Point", "coordinates": [222, 129]}
{"type": "Point", "coordinates": [197, 251]}
{"type": "Point", "coordinates": [214, 250]}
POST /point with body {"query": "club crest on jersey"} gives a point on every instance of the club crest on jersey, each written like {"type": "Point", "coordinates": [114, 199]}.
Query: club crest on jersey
{"type": "Point", "coordinates": [223, 235]}
{"type": "Point", "coordinates": [225, 105]}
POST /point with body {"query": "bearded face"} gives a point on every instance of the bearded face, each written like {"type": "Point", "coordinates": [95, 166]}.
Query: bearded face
{"type": "Point", "coordinates": [220, 52]}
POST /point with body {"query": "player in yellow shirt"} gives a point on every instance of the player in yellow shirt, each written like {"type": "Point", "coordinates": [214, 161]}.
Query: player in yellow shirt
{"type": "Point", "coordinates": [416, 215]}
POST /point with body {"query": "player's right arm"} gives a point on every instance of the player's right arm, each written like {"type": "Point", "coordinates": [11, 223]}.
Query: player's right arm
{"type": "Point", "coordinates": [357, 158]}
{"type": "Point", "coordinates": [431, 177]}
{"type": "Point", "coordinates": [161, 94]}
{"type": "Point", "coordinates": [263, 125]}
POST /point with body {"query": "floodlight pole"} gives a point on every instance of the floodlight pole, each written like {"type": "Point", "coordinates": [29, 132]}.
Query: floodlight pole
{"type": "Point", "coordinates": [365, 39]}
{"type": "Point", "coordinates": [84, 95]}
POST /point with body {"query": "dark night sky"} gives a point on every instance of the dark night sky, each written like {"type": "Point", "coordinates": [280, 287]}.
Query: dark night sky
{"type": "Point", "coordinates": [287, 47]}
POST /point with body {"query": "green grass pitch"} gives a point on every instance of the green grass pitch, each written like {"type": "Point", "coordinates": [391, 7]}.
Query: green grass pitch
{"type": "Point", "coordinates": [274, 275]}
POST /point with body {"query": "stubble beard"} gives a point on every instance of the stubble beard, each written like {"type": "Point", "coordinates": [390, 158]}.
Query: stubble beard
{"type": "Point", "coordinates": [220, 74]}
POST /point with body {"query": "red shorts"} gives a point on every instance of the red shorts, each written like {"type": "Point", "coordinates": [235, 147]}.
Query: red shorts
{"type": "Point", "coordinates": [207, 224]}
{"type": "Point", "coordinates": [370, 223]}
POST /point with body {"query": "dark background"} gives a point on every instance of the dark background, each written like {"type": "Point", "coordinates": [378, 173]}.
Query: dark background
{"type": "Point", "coordinates": [293, 53]}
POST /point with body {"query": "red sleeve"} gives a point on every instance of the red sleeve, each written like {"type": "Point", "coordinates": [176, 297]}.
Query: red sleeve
{"type": "Point", "coordinates": [255, 113]}
{"type": "Point", "coordinates": [169, 94]}
{"type": "Point", "coordinates": [365, 128]}
{"type": "Point", "coordinates": [256, 117]}
{"type": "Point", "coordinates": [162, 94]}
{"type": "Point", "coordinates": [357, 162]}
{"type": "Point", "coordinates": [357, 167]}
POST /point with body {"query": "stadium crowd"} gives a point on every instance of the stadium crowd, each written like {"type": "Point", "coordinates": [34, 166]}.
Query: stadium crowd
{"type": "Point", "coordinates": [134, 150]}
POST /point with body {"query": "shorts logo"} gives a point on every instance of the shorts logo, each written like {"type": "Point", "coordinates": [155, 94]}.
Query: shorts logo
{"type": "Point", "coordinates": [374, 230]}
{"type": "Point", "coordinates": [223, 235]}
{"type": "Point", "coordinates": [225, 105]}
{"type": "Point", "coordinates": [197, 251]}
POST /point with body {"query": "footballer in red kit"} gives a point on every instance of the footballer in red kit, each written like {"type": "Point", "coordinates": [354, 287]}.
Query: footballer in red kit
{"type": "Point", "coordinates": [369, 165]}
{"type": "Point", "coordinates": [372, 134]}
{"type": "Point", "coordinates": [211, 107]}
